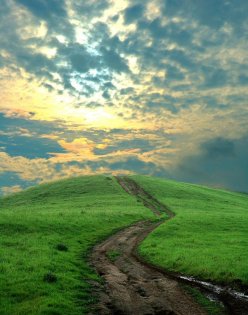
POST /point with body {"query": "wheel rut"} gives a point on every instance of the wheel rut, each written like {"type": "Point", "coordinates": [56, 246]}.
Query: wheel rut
{"type": "Point", "coordinates": [132, 287]}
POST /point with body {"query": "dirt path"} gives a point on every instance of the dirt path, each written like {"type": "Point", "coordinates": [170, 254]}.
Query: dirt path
{"type": "Point", "coordinates": [132, 287]}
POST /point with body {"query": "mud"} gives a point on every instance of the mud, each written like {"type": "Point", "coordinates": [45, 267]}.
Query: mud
{"type": "Point", "coordinates": [133, 286]}
{"type": "Point", "coordinates": [235, 302]}
{"type": "Point", "coordinates": [130, 286]}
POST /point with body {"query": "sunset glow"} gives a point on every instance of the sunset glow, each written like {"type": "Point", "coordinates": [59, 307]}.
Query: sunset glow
{"type": "Point", "coordinates": [152, 87]}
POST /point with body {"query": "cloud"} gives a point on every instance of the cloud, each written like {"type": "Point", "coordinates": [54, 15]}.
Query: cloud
{"type": "Point", "coordinates": [219, 147]}
{"type": "Point", "coordinates": [220, 162]}
{"type": "Point", "coordinates": [80, 149]}
{"type": "Point", "coordinates": [9, 179]}
{"type": "Point", "coordinates": [131, 14]}
{"type": "Point", "coordinates": [212, 13]}
{"type": "Point", "coordinates": [113, 60]}
{"type": "Point", "coordinates": [20, 124]}
{"type": "Point", "coordinates": [82, 63]}
{"type": "Point", "coordinates": [45, 9]}
{"type": "Point", "coordinates": [53, 12]}
{"type": "Point", "coordinates": [28, 172]}
{"type": "Point", "coordinates": [132, 143]}
{"type": "Point", "coordinates": [7, 190]}
{"type": "Point", "coordinates": [32, 170]}
{"type": "Point", "coordinates": [114, 84]}
{"type": "Point", "coordinates": [90, 8]}
{"type": "Point", "coordinates": [29, 145]}
{"type": "Point", "coordinates": [132, 164]}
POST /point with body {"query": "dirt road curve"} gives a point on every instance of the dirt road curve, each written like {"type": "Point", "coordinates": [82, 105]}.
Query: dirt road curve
{"type": "Point", "coordinates": [132, 287]}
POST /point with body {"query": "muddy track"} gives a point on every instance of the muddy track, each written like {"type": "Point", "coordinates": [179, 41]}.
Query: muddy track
{"type": "Point", "coordinates": [132, 287]}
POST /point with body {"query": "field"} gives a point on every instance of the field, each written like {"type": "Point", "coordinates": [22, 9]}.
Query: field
{"type": "Point", "coordinates": [46, 234]}
{"type": "Point", "coordinates": [207, 238]}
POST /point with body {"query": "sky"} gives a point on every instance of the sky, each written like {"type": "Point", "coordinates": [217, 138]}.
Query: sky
{"type": "Point", "coordinates": [156, 87]}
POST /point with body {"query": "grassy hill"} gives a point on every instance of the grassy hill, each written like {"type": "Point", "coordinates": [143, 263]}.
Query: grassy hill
{"type": "Point", "coordinates": [207, 238]}
{"type": "Point", "coordinates": [47, 232]}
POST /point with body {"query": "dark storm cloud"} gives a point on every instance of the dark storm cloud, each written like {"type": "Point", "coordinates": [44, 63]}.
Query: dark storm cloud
{"type": "Point", "coordinates": [221, 162]}
{"type": "Point", "coordinates": [219, 147]}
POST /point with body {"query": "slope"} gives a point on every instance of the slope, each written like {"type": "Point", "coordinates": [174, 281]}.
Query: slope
{"type": "Point", "coordinates": [46, 234]}
{"type": "Point", "coordinates": [207, 238]}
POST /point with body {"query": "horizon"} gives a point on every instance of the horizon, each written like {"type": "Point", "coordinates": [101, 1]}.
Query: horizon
{"type": "Point", "coordinates": [155, 87]}
{"type": "Point", "coordinates": [69, 178]}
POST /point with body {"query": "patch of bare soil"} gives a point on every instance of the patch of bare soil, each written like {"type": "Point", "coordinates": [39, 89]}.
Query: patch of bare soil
{"type": "Point", "coordinates": [132, 287]}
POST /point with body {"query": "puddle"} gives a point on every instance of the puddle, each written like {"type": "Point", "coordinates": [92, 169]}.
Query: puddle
{"type": "Point", "coordinates": [217, 288]}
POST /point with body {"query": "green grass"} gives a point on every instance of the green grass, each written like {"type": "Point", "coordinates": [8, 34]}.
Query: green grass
{"type": "Point", "coordinates": [207, 238]}
{"type": "Point", "coordinates": [46, 233]}
{"type": "Point", "coordinates": [113, 255]}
